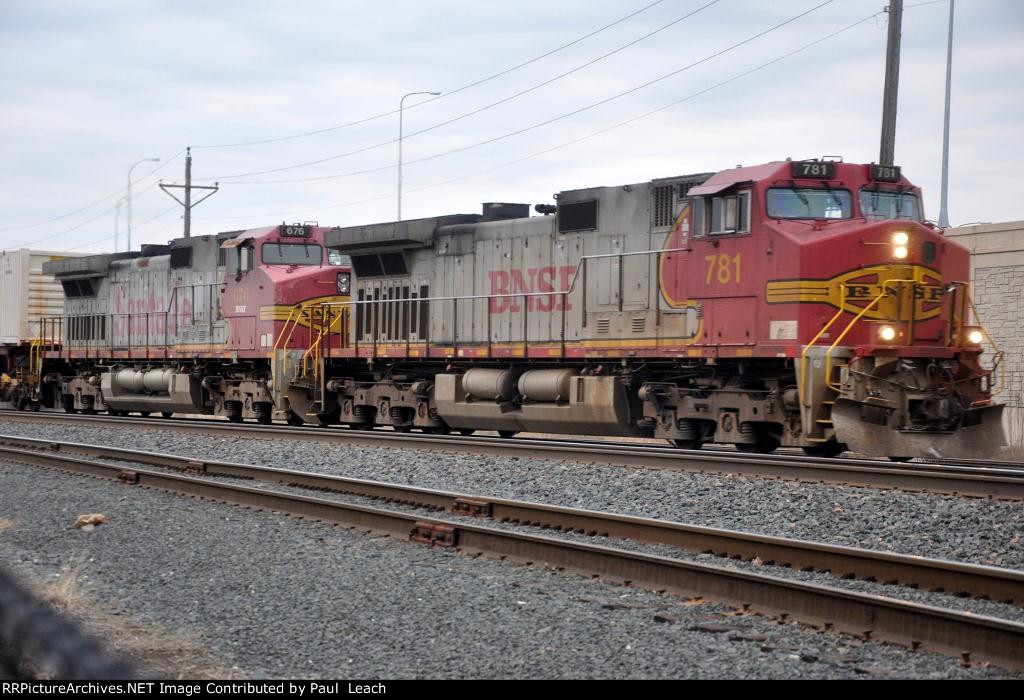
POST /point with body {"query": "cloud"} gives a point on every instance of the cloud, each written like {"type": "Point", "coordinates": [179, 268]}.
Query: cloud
{"type": "Point", "coordinates": [88, 89]}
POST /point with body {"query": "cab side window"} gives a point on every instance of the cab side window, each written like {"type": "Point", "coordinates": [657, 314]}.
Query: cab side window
{"type": "Point", "coordinates": [245, 258]}
{"type": "Point", "coordinates": [730, 213]}
{"type": "Point", "coordinates": [720, 215]}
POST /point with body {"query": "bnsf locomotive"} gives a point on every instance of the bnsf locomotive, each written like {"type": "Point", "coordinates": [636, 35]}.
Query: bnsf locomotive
{"type": "Point", "coordinates": [794, 303]}
{"type": "Point", "coordinates": [192, 327]}
{"type": "Point", "coordinates": [801, 303]}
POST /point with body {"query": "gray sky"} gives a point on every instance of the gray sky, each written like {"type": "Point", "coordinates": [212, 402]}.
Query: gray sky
{"type": "Point", "coordinates": [88, 88]}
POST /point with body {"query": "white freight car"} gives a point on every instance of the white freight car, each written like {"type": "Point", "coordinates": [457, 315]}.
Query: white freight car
{"type": "Point", "coordinates": [26, 296]}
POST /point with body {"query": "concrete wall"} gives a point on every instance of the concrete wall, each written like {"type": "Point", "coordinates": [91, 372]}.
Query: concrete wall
{"type": "Point", "coordinates": [997, 273]}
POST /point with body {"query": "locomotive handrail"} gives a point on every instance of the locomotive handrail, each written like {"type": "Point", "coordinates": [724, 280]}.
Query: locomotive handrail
{"type": "Point", "coordinates": [572, 284]}
{"type": "Point", "coordinates": [859, 316]}
{"type": "Point", "coordinates": [580, 266]}
{"type": "Point", "coordinates": [998, 355]}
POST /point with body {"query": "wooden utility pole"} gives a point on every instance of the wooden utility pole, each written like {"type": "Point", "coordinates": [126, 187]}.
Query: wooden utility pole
{"type": "Point", "coordinates": [892, 83]}
{"type": "Point", "coordinates": [188, 187]}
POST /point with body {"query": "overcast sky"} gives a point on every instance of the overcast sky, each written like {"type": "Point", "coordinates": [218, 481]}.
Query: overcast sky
{"type": "Point", "coordinates": [88, 88]}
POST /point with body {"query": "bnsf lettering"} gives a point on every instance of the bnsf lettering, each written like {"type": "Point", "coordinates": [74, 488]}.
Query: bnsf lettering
{"type": "Point", "coordinates": [529, 281]}
{"type": "Point", "coordinates": [869, 291]}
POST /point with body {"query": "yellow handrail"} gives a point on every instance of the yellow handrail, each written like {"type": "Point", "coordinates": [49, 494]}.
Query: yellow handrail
{"type": "Point", "coordinates": [839, 339]}
{"type": "Point", "coordinates": [807, 348]}
{"type": "Point", "coordinates": [998, 354]}
{"type": "Point", "coordinates": [828, 353]}
{"type": "Point", "coordinates": [315, 345]}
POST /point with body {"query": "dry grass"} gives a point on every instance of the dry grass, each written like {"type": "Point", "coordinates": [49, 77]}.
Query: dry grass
{"type": "Point", "coordinates": [5, 524]}
{"type": "Point", "coordinates": [154, 651]}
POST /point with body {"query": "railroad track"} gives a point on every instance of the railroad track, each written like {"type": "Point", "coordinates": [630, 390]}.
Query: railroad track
{"type": "Point", "coordinates": [967, 636]}
{"type": "Point", "coordinates": [1002, 480]}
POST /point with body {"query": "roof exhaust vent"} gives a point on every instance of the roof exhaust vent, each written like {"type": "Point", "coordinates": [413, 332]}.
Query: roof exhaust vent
{"type": "Point", "coordinates": [497, 211]}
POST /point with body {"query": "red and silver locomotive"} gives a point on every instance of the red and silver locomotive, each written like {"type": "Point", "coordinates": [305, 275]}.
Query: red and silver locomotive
{"type": "Point", "coordinates": [195, 327]}
{"type": "Point", "coordinates": [798, 303]}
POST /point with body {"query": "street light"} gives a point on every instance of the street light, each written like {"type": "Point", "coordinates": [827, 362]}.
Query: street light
{"type": "Point", "coordinates": [128, 197]}
{"type": "Point", "coordinates": [400, 107]}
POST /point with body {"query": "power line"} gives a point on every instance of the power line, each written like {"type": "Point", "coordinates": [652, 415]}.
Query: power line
{"type": "Point", "coordinates": [537, 125]}
{"type": "Point", "coordinates": [119, 191]}
{"type": "Point", "coordinates": [449, 93]}
{"type": "Point", "coordinates": [144, 223]}
{"type": "Point", "coordinates": [566, 144]}
{"type": "Point", "coordinates": [473, 112]}
{"type": "Point", "coordinates": [80, 225]}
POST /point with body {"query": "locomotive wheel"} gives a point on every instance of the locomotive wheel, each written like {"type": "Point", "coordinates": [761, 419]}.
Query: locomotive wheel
{"type": "Point", "coordinates": [404, 428]}
{"type": "Point", "coordinates": [167, 414]}
{"type": "Point", "coordinates": [264, 418]}
{"type": "Point", "coordinates": [235, 417]}
{"type": "Point", "coordinates": [35, 405]}
{"type": "Point", "coordinates": [825, 449]}
{"type": "Point", "coordinates": [466, 431]}
{"type": "Point", "coordinates": [294, 419]}
{"type": "Point", "coordinates": [899, 459]}
{"type": "Point", "coordinates": [688, 444]}
{"type": "Point", "coordinates": [507, 433]}
{"type": "Point", "coordinates": [765, 444]}
{"type": "Point", "coordinates": [145, 414]}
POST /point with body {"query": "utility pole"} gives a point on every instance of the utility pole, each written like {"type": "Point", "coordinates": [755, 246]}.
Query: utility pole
{"type": "Point", "coordinates": [943, 210]}
{"type": "Point", "coordinates": [892, 83]}
{"type": "Point", "coordinates": [188, 187]}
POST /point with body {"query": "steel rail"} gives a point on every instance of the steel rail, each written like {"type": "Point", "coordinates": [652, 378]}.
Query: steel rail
{"type": "Point", "coordinates": [971, 481]}
{"type": "Point", "coordinates": [970, 637]}
{"type": "Point", "coordinates": [999, 584]}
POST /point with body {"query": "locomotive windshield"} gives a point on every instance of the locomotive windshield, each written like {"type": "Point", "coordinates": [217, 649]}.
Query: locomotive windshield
{"type": "Point", "coordinates": [809, 203]}
{"type": "Point", "coordinates": [879, 204]}
{"type": "Point", "coordinates": [292, 254]}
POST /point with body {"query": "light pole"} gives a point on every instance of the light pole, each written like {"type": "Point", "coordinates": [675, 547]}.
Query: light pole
{"type": "Point", "coordinates": [117, 216]}
{"type": "Point", "coordinates": [943, 208]}
{"type": "Point", "coordinates": [128, 198]}
{"type": "Point", "coordinates": [401, 104]}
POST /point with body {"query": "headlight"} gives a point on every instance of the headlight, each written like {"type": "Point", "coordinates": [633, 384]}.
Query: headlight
{"type": "Point", "coordinates": [887, 333]}
{"type": "Point", "coordinates": [343, 283]}
{"type": "Point", "coordinates": [900, 252]}
{"type": "Point", "coordinates": [975, 337]}
{"type": "Point", "coordinates": [900, 238]}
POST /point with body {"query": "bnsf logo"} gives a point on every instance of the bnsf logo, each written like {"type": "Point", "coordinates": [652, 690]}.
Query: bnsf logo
{"type": "Point", "coordinates": [927, 293]}
{"type": "Point", "coordinates": [528, 281]}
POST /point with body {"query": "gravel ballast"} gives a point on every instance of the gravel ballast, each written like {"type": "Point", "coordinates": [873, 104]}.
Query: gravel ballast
{"type": "Point", "coordinates": [971, 530]}
{"type": "Point", "coordinates": [277, 596]}
{"type": "Point", "coordinates": [977, 606]}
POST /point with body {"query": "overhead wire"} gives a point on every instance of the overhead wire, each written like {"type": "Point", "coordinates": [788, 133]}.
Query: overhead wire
{"type": "Point", "coordinates": [444, 95]}
{"type": "Point", "coordinates": [113, 194]}
{"type": "Point", "coordinates": [83, 223]}
{"type": "Point", "coordinates": [473, 112]}
{"type": "Point", "coordinates": [572, 142]}
{"type": "Point", "coordinates": [526, 129]}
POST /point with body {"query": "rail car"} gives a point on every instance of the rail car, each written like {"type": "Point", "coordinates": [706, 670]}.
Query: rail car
{"type": "Point", "coordinates": [798, 303]}
{"type": "Point", "coordinates": [193, 327]}
{"type": "Point", "coordinates": [28, 295]}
